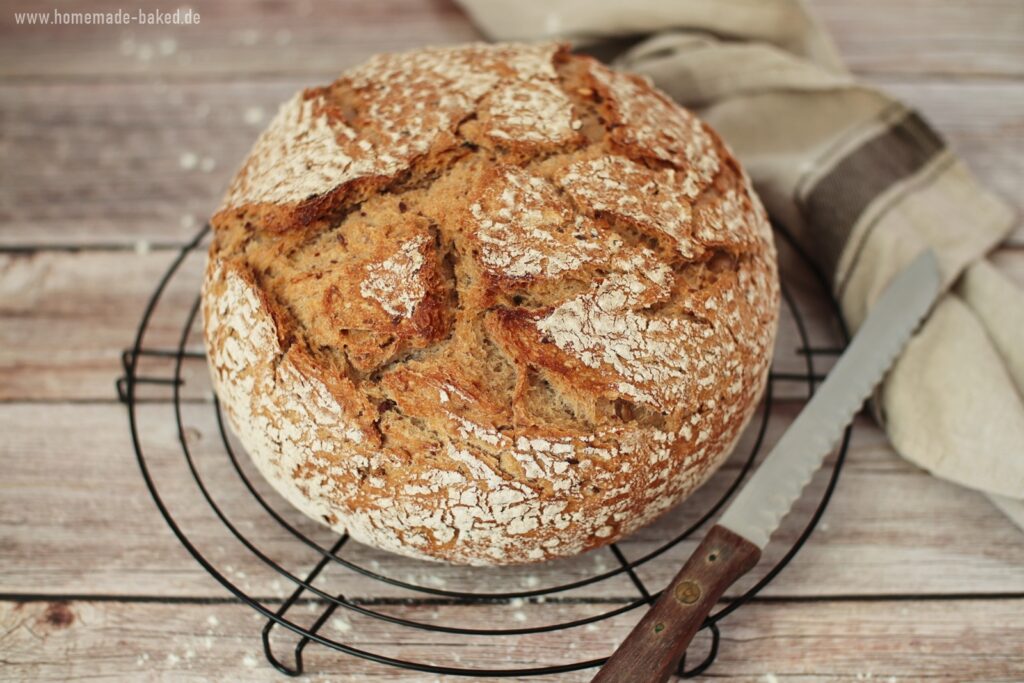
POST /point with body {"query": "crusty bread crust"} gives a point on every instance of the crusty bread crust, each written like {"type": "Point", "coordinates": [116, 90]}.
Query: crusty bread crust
{"type": "Point", "coordinates": [489, 304]}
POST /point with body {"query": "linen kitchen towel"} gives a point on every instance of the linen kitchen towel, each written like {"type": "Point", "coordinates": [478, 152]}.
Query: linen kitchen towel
{"type": "Point", "coordinates": [861, 181]}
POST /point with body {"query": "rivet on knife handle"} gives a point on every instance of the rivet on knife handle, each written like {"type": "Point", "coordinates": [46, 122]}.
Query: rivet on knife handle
{"type": "Point", "coordinates": [653, 649]}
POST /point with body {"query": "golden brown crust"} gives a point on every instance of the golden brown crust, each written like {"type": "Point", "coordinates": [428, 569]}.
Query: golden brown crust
{"type": "Point", "coordinates": [489, 304]}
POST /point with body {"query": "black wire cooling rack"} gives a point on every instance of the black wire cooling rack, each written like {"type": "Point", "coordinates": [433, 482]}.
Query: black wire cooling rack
{"type": "Point", "coordinates": [204, 488]}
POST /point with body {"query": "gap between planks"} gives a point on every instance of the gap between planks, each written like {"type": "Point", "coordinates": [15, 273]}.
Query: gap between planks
{"type": "Point", "coordinates": [423, 602]}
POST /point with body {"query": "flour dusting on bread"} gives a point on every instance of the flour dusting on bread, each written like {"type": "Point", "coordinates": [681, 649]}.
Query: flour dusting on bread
{"type": "Point", "coordinates": [394, 283]}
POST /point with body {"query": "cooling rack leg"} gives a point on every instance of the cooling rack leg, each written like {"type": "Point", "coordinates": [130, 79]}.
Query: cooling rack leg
{"type": "Point", "coordinates": [268, 650]}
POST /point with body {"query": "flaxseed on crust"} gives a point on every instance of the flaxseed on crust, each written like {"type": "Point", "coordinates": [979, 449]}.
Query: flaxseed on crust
{"type": "Point", "coordinates": [489, 304]}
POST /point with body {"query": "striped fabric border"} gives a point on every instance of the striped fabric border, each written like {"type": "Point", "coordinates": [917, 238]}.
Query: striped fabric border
{"type": "Point", "coordinates": [839, 198]}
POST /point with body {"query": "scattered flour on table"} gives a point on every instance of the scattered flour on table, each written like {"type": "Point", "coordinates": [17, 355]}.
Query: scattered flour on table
{"type": "Point", "coordinates": [254, 116]}
{"type": "Point", "coordinates": [188, 160]}
{"type": "Point", "coordinates": [249, 36]}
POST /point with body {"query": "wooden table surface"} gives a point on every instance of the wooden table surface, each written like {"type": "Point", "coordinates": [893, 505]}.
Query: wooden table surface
{"type": "Point", "coordinates": [116, 142]}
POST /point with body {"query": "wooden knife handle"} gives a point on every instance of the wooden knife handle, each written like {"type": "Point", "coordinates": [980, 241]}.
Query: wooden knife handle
{"type": "Point", "coordinates": [653, 649]}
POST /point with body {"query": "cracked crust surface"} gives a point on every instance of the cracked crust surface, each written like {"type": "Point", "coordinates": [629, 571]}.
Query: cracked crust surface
{"type": "Point", "coordinates": [490, 304]}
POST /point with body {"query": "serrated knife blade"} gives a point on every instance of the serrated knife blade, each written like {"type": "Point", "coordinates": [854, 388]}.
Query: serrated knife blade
{"type": "Point", "coordinates": [733, 546]}
{"type": "Point", "coordinates": [762, 503]}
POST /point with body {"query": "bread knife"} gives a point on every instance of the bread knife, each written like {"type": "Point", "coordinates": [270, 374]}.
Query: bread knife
{"type": "Point", "coordinates": [733, 546]}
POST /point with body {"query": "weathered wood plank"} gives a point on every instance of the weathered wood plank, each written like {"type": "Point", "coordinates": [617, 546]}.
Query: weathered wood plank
{"type": "Point", "coordinates": [68, 315]}
{"type": "Point", "coordinates": [134, 163]}
{"type": "Point", "coordinates": [891, 529]}
{"type": "Point", "coordinates": [123, 164]}
{"type": "Point", "coordinates": [927, 36]}
{"type": "Point", "coordinates": [942, 641]}
{"type": "Point", "coordinates": [880, 36]}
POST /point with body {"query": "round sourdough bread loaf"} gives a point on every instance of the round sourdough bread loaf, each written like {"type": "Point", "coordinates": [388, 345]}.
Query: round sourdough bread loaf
{"type": "Point", "coordinates": [489, 304]}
